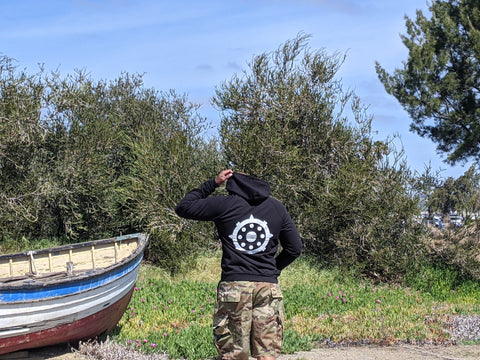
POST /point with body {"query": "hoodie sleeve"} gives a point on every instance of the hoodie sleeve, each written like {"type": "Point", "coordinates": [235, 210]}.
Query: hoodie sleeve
{"type": "Point", "coordinates": [196, 205]}
{"type": "Point", "coordinates": [290, 241]}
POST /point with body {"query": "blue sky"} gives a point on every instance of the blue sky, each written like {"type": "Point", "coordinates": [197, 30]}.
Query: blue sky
{"type": "Point", "coordinates": [193, 46]}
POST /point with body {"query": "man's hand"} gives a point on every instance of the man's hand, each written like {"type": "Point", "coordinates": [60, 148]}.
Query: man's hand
{"type": "Point", "coordinates": [223, 176]}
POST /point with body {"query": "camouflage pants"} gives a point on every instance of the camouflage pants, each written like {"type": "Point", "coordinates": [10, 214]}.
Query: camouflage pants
{"type": "Point", "coordinates": [248, 317]}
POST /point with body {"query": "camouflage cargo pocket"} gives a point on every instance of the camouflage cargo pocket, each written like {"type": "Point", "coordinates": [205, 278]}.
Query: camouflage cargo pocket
{"type": "Point", "coordinates": [277, 304]}
{"type": "Point", "coordinates": [231, 335]}
{"type": "Point", "coordinates": [268, 320]}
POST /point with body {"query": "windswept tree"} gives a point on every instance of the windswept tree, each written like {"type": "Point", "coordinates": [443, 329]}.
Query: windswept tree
{"type": "Point", "coordinates": [457, 195]}
{"type": "Point", "coordinates": [439, 84]}
{"type": "Point", "coordinates": [288, 120]}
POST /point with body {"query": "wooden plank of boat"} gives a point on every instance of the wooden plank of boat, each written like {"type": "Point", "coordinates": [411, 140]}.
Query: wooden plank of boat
{"type": "Point", "coordinates": [41, 304]}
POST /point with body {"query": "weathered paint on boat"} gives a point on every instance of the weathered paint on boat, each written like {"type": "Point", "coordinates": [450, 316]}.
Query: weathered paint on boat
{"type": "Point", "coordinates": [102, 322]}
{"type": "Point", "coordinates": [40, 309]}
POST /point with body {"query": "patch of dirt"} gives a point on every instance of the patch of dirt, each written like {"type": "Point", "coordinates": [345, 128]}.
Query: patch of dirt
{"type": "Point", "coordinates": [57, 352]}
{"type": "Point", "coordinates": [397, 352]}
{"type": "Point", "coordinates": [400, 352]}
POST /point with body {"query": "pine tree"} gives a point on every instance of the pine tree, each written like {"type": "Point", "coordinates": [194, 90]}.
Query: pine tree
{"type": "Point", "coordinates": [439, 84]}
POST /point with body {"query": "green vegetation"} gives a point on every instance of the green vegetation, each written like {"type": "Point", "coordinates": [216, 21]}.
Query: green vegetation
{"type": "Point", "coordinates": [83, 159]}
{"type": "Point", "coordinates": [288, 120]}
{"type": "Point", "coordinates": [438, 84]}
{"type": "Point", "coordinates": [454, 194]}
{"type": "Point", "coordinates": [174, 314]}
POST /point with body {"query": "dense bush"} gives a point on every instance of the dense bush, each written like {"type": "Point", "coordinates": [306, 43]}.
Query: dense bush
{"type": "Point", "coordinates": [456, 248]}
{"type": "Point", "coordinates": [81, 159]}
{"type": "Point", "coordinates": [288, 120]}
{"type": "Point", "coordinates": [22, 149]}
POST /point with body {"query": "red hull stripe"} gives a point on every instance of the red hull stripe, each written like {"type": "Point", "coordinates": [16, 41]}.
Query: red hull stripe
{"type": "Point", "coordinates": [87, 328]}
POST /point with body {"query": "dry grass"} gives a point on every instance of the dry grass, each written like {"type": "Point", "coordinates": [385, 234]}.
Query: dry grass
{"type": "Point", "coordinates": [109, 350]}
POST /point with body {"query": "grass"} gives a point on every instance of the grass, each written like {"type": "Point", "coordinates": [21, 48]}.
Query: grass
{"type": "Point", "coordinates": [174, 314]}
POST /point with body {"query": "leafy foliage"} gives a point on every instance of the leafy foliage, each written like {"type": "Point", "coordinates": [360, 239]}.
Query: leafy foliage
{"type": "Point", "coordinates": [81, 159]}
{"type": "Point", "coordinates": [22, 148]}
{"type": "Point", "coordinates": [286, 120]}
{"type": "Point", "coordinates": [439, 83]}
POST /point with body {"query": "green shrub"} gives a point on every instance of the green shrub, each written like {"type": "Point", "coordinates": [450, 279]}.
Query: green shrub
{"type": "Point", "coordinates": [81, 159]}
{"type": "Point", "coordinates": [435, 279]}
{"type": "Point", "coordinates": [286, 120]}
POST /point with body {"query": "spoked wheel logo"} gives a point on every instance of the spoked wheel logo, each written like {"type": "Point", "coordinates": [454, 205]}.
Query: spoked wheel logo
{"type": "Point", "coordinates": [251, 235]}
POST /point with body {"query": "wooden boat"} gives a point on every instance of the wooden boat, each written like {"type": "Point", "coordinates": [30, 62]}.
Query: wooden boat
{"type": "Point", "coordinates": [66, 293]}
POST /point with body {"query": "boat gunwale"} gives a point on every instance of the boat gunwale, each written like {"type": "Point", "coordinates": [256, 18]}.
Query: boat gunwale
{"type": "Point", "coordinates": [30, 282]}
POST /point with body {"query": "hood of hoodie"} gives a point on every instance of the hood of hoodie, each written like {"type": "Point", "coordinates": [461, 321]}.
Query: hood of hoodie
{"type": "Point", "coordinates": [250, 188]}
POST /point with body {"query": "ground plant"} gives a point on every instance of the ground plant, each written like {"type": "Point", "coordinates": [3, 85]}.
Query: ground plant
{"type": "Point", "coordinates": [173, 315]}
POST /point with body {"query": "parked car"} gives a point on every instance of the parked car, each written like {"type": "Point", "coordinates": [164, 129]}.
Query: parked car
{"type": "Point", "coordinates": [437, 221]}
{"type": "Point", "coordinates": [456, 220]}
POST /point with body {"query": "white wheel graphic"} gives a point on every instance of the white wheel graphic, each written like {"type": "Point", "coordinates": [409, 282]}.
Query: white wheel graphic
{"type": "Point", "coordinates": [251, 235]}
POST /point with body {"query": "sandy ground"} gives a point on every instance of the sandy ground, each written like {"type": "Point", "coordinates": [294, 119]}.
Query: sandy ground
{"type": "Point", "coordinates": [403, 352]}
{"type": "Point", "coordinates": [410, 352]}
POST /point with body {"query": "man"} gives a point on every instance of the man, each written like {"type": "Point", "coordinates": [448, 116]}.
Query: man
{"type": "Point", "coordinates": [251, 225]}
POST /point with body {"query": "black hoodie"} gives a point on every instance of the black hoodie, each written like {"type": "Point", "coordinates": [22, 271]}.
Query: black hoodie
{"type": "Point", "coordinates": [250, 223]}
